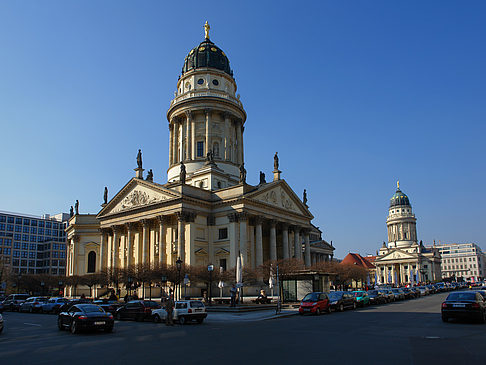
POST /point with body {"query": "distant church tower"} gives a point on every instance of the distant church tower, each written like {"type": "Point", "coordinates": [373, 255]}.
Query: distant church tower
{"type": "Point", "coordinates": [206, 121]}
{"type": "Point", "coordinates": [401, 222]}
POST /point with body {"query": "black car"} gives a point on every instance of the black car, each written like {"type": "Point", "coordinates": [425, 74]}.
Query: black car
{"type": "Point", "coordinates": [138, 310]}
{"type": "Point", "coordinates": [376, 297]}
{"type": "Point", "coordinates": [341, 300]}
{"type": "Point", "coordinates": [85, 317]}
{"type": "Point", "coordinates": [399, 294]}
{"type": "Point", "coordinates": [464, 304]}
{"type": "Point", "coordinates": [409, 293]}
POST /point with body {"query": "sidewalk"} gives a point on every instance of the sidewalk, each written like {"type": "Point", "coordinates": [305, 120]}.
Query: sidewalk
{"type": "Point", "coordinates": [249, 316]}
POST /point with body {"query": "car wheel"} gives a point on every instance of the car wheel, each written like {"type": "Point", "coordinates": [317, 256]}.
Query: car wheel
{"type": "Point", "coordinates": [74, 328]}
{"type": "Point", "coordinates": [341, 307]}
{"type": "Point", "coordinates": [182, 320]}
{"type": "Point", "coordinates": [318, 312]}
{"type": "Point", "coordinates": [31, 310]}
{"type": "Point", "coordinates": [445, 319]}
{"type": "Point", "coordinates": [157, 319]}
{"type": "Point", "coordinates": [59, 324]}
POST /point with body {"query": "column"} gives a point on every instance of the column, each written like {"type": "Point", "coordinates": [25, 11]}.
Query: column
{"type": "Point", "coordinates": [145, 229]}
{"type": "Point", "coordinates": [285, 240]}
{"type": "Point", "coordinates": [130, 227]}
{"type": "Point", "coordinates": [233, 218]}
{"type": "Point", "coordinates": [259, 242]}
{"type": "Point", "coordinates": [180, 236]}
{"type": "Point", "coordinates": [208, 130]}
{"type": "Point", "coordinates": [226, 135]}
{"type": "Point", "coordinates": [297, 244]}
{"type": "Point", "coordinates": [152, 242]}
{"type": "Point", "coordinates": [243, 218]}
{"type": "Point", "coordinates": [174, 140]}
{"type": "Point", "coordinates": [162, 222]}
{"type": "Point", "coordinates": [211, 236]}
{"type": "Point", "coordinates": [252, 246]}
{"type": "Point", "coordinates": [171, 144]}
{"type": "Point", "coordinates": [183, 140]}
{"type": "Point", "coordinates": [116, 247]}
{"type": "Point", "coordinates": [188, 135]}
{"type": "Point", "coordinates": [239, 159]}
{"type": "Point", "coordinates": [307, 249]}
{"type": "Point", "coordinates": [273, 240]}
{"type": "Point", "coordinates": [193, 138]}
{"type": "Point", "coordinates": [102, 262]}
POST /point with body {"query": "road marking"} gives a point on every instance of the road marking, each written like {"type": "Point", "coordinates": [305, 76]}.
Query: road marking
{"type": "Point", "coordinates": [33, 324]}
{"type": "Point", "coordinates": [432, 337]}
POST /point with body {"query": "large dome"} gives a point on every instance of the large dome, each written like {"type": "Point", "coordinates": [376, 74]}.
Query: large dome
{"type": "Point", "coordinates": [399, 198]}
{"type": "Point", "coordinates": [207, 55]}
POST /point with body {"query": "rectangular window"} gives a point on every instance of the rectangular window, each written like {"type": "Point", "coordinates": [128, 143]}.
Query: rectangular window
{"type": "Point", "coordinates": [2, 227]}
{"type": "Point", "coordinates": [23, 262]}
{"type": "Point", "coordinates": [16, 254]}
{"type": "Point", "coordinates": [48, 225]}
{"type": "Point", "coordinates": [24, 254]}
{"type": "Point", "coordinates": [33, 223]}
{"type": "Point", "coordinates": [223, 233]}
{"type": "Point", "coordinates": [200, 149]}
{"type": "Point", "coordinates": [32, 246]}
{"type": "Point", "coordinates": [222, 263]}
{"type": "Point", "coordinates": [10, 219]}
{"type": "Point", "coordinates": [33, 238]}
{"type": "Point", "coordinates": [25, 246]}
{"type": "Point", "coordinates": [62, 255]}
{"type": "Point", "coordinates": [41, 223]}
{"type": "Point", "coordinates": [7, 242]}
{"type": "Point", "coordinates": [41, 231]}
{"type": "Point", "coordinates": [17, 245]}
{"type": "Point", "coordinates": [10, 227]}
{"type": "Point", "coordinates": [25, 237]}
{"type": "Point", "coordinates": [18, 220]}
{"type": "Point", "coordinates": [7, 251]}
{"type": "Point", "coordinates": [26, 229]}
{"type": "Point", "coordinates": [3, 219]}
{"type": "Point", "coordinates": [1, 241]}
{"type": "Point", "coordinates": [31, 255]}
{"type": "Point", "coordinates": [26, 222]}
{"type": "Point", "coordinates": [48, 232]}
{"type": "Point", "coordinates": [18, 228]}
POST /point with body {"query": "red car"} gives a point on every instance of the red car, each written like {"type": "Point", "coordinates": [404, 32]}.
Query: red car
{"type": "Point", "coordinates": [315, 303]}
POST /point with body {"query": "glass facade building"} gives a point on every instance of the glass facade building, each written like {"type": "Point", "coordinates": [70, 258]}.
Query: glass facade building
{"type": "Point", "coordinates": [33, 245]}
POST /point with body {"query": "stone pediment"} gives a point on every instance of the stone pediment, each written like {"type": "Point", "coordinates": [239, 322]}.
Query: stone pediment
{"type": "Point", "coordinates": [396, 255]}
{"type": "Point", "coordinates": [221, 252]}
{"type": "Point", "coordinates": [137, 193]}
{"type": "Point", "coordinates": [280, 195]}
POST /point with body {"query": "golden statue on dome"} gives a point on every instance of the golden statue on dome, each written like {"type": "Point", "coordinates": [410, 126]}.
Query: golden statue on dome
{"type": "Point", "coordinates": [398, 184]}
{"type": "Point", "coordinates": [206, 30]}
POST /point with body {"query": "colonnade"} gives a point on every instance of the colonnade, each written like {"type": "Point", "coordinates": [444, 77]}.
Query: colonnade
{"type": "Point", "coordinates": [184, 138]}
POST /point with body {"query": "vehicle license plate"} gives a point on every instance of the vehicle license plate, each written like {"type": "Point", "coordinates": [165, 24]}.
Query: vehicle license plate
{"type": "Point", "coordinates": [99, 323]}
{"type": "Point", "coordinates": [198, 310]}
{"type": "Point", "coordinates": [306, 309]}
{"type": "Point", "coordinates": [459, 305]}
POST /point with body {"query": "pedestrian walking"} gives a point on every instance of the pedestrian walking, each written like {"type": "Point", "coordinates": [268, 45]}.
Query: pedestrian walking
{"type": "Point", "coordinates": [233, 295]}
{"type": "Point", "coordinates": [169, 308]}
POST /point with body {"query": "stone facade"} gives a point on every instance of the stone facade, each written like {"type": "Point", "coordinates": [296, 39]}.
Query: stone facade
{"type": "Point", "coordinates": [206, 212]}
{"type": "Point", "coordinates": [403, 260]}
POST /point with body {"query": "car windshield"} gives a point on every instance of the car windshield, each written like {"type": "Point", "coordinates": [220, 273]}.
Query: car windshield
{"type": "Point", "coordinates": [335, 295]}
{"type": "Point", "coordinates": [311, 297]}
{"type": "Point", "coordinates": [462, 296]}
{"type": "Point", "coordinates": [92, 308]}
{"type": "Point", "coordinates": [197, 304]}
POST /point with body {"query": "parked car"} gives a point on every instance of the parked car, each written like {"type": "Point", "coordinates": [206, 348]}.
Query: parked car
{"type": "Point", "coordinates": [409, 294]}
{"type": "Point", "coordinates": [423, 291]}
{"type": "Point", "coordinates": [376, 297]}
{"type": "Point", "coordinates": [85, 317]}
{"type": "Point", "coordinates": [399, 294]}
{"type": "Point", "coordinates": [362, 298]}
{"type": "Point", "coordinates": [390, 296]}
{"type": "Point", "coordinates": [464, 304]}
{"type": "Point", "coordinates": [1, 306]}
{"type": "Point", "coordinates": [53, 305]}
{"type": "Point", "coordinates": [13, 301]}
{"type": "Point", "coordinates": [315, 303]}
{"type": "Point", "coordinates": [431, 288]}
{"type": "Point", "coordinates": [184, 311]}
{"type": "Point", "coordinates": [65, 307]}
{"type": "Point", "coordinates": [138, 310]}
{"type": "Point", "coordinates": [340, 300]}
{"type": "Point", "coordinates": [1, 323]}
{"type": "Point", "coordinates": [33, 304]}
{"type": "Point", "coordinates": [108, 305]}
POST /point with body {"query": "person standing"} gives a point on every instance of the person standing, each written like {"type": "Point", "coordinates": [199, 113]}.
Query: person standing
{"type": "Point", "coordinates": [169, 308]}
{"type": "Point", "coordinates": [233, 295]}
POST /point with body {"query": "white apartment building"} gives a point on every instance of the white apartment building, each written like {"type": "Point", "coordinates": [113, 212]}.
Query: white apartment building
{"type": "Point", "coordinates": [462, 260]}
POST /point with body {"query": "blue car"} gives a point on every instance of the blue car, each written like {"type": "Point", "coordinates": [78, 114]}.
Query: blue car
{"type": "Point", "coordinates": [53, 305]}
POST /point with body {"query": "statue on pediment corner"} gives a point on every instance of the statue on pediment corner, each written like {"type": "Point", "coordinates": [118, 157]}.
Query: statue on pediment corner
{"type": "Point", "coordinates": [139, 159]}
{"type": "Point", "coordinates": [105, 196]}
{"type": "Point", "coordinates": [262, 178]}
{"type": "Point", "coordinates": [150, 176]}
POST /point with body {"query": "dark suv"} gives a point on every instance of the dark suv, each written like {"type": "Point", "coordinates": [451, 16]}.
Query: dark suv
{"type": "Point", "coordinates": [138, 310]}
{"type": "Point", "coordinates": [341, 300]}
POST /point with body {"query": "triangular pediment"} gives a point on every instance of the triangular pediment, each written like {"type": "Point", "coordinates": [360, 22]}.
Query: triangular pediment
{"type": "Point", "coordinates": [137, 193]}
{"type": "Point", "coordinates": [280, 195]}
{"type": "Point", "coordinates": [221, 252]}
{"type": "Point", "coordinates": [396, 254]}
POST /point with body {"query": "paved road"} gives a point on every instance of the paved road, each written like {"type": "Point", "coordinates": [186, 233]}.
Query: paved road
{"type": "Point", "coordinates": [409, 332]}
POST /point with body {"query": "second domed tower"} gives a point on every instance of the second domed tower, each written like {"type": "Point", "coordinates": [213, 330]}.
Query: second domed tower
{"type": "Point", "coordinates": [206, 121]}
{"type": "Point", "coordinates": [401, 222]}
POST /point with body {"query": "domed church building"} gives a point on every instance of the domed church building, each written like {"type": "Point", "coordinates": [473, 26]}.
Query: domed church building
{"type": "Point", "coordinates": [403, 260]}
{"type": "Point", "coordinates": [206, 212]}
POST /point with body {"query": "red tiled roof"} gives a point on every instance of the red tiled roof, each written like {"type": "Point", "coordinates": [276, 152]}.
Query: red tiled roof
{"type": "Point", "coordinates": [357, 259]}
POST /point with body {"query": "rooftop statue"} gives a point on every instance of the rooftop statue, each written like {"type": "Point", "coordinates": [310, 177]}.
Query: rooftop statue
{"type": "Point", "coordinates": [105, 196]}
{"type": "Point", "coordinates": [262, 178]}
{"type": "Point", "coordinates": [242, 174]}
{"type": "Point", "coordinates": [275, 161]}
{"type": "Point", "coordinates": [150, 176]}
{"type": "Point", "coordinates": [76, 207]}
{"type": "Point", "coordinates": [182, 175]}
{"type": "Point", "coordinates": [139, 159]}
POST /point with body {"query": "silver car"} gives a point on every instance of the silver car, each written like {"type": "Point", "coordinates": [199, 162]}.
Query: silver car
{"type": "Point", "coordinates": [184, 311]}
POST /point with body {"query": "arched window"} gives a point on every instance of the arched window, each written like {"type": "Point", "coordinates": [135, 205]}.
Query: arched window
{"type": "Point", "coordinates": [216, 149]}
{"type": "Point", "coordinates": [91, 262]}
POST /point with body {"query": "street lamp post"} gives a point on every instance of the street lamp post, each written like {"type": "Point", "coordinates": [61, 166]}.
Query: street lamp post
{"type": "Point", "coordinates": [179, 267]}
{"type": "Point", "coordinates": [210, 269]}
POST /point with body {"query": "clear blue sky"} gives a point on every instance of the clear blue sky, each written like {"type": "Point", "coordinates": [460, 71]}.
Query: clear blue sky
{"type": "Point", "coordinates": [353, 95]}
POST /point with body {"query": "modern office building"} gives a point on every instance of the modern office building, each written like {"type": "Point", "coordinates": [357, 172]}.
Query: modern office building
{"type": "Point", "coordinates": [33, 245]}
{"type": "Point", "coordinates": [462, 260]}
